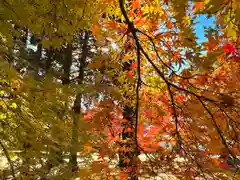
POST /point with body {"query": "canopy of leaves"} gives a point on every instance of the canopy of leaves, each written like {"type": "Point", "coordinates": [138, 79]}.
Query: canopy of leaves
{"type": "Point", "coordinates": [88, 85]}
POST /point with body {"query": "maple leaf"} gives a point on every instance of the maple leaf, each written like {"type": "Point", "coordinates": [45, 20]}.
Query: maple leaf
{"type": "Point", "coordinates": [95, 29]}
{"type": "Point", "coordinates": [210, 45]}
{"type": "Point", "coordinates": [139, 12]}
{"type": "Point", "coordinates": [131, 14]}
{"type": "Point", "coordinates": [134, 65]}
{"type": "Point", "coordinates": [176, 55]}
{"type": "Point", "coordinates": [136, 4]}
{"type": "Point", "coordinates": [112, 24]}
{"type": "Point", "coordinates": [238, 42]}
{"type": "Point", "coordinates": [179, 98]}
{"type": "Point", "coordinates": [139, 21]}
{"type": "Point", "coordinates": [203, 79]}
{"type": "Point", "coordinates": [87, 149]}
{"type": "Point", "coordinates": [129, 130]}
{"type": "Point", "coordinates": [127, 57]}
{"type": "Point", "coordinates": [168, 43]}
{"type": "Point", "coordinates": [153, 131]}
{"type": "Point", "coordinates": [229, 48]}
{"type": "Point", "coordinates": [147, 112]}
{"type": "Point", "coordinates": [130, 74]}
{"type": "Point", "coordinates": [224, 165]}
{"type": "Point", "coordinates": [169, 24]}
{"type": "Point", "coordinates": [14, 106]}
{"type": "Point", "coordinates": [198, 6]}
{"type": "Point", "coordinates": [87, 116]}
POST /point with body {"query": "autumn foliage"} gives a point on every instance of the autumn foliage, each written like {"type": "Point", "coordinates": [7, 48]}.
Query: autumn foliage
{"type": "Point", "coordinates": [112, 89]}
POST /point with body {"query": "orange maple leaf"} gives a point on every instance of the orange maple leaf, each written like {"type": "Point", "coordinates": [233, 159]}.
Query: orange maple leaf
{"type": "Point", "coordinates": [87, 149]}
{"type": "Point", "coordinates": [139, 22]}
{"type": "Point", "coordinates": [169, 24]}
{"type": "Point", "coordinates": [198, 6]}
{"type": "Point", "coordinates": [111, 25]}
{"type": "Point", "coordinates": [136, 4]}
{"type": "Point", "coordinates": [95, 29]}
{"type": "Point", "coordinates": [123, 176]}
{"type": "Point", "coordinates": [87, 116]}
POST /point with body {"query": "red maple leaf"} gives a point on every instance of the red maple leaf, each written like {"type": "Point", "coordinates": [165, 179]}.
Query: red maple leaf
{"type": "Point", "coordinates": [224, 165]}
{"type": "Point", "coordinates": [139, 13]}
{"type": "Point", "coordinates": [129, 130]}
{"type": "Point", "coordinates": [180, 98]}
{"type": "Point", "coordinates": [134, 65]}
{"type": "Point", "coordinates": [194, 7]}
{"type": "Point", "coordinates": [229, 48]}
{"type": "Point", "coordinates": [130, 74]}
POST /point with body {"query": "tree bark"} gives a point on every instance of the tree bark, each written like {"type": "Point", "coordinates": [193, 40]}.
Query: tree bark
{"type": "Point", "coordinates": [67, 63]}
{"type": "Point", "coordinates": [78, 103]}
{"type": "Point", "coordinates": [127, 160]}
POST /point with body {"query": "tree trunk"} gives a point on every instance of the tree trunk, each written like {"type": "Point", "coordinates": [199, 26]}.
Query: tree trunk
{"type": "Point", "coordinates": [78, 103]}
{"type": "Point", "coordinates": [127, 160]}
{"type": "Point", "coordinates": [67, 63]}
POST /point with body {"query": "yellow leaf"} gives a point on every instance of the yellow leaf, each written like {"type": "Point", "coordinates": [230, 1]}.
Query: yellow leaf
{"type": "Point", "coordinates": [12, 155]}
{"type": "Point", "coordinates": [14, 105]}
{"type": "Point", "coordinates": [127, 57]}
{"type": "Point", "coordinates": [1, 93]}
{"type": "Point", "coordinates": [231, 32]}
{"type": "Point", "coordinates": [187, 20]}
{"type": "Point", "coordinates": [3, 116]}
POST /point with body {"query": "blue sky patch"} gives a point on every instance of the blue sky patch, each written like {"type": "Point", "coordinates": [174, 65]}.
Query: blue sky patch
{"type": "Point", "coordinates": [202, 21]}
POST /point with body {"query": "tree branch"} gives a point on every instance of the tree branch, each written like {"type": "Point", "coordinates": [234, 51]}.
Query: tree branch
{"type": "Point", "coordinates": [9, 159]}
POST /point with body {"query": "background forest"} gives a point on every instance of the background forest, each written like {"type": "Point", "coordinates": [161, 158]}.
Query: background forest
{"type": "Point", "coordinates": [119, 89]}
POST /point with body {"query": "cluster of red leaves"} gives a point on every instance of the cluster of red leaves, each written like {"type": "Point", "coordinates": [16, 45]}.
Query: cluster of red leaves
{"type": "Point", "coordinates": [229, 48]}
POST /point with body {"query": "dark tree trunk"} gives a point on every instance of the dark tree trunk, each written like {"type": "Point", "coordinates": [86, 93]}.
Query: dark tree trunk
{"type": "Point", "coordinates": [67, 63]}
{"type": "Point", "coordinates": [78, 103]}
{"type": "Point", "coordinates": [127, 160]}
{"type": "Point", "coordinates": [49, 60]}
